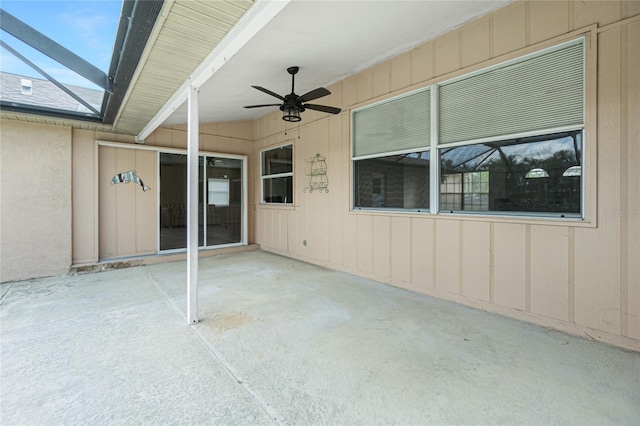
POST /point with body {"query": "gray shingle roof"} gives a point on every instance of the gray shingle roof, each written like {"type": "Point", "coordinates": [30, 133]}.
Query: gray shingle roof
{"type": "Point", "coordinates": [45, 94]}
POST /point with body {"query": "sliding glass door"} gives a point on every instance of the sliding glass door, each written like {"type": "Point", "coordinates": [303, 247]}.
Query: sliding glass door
{"type": "Point", "coordinates": [223, 195]}
{"type": "Point", "coordinates": [221, 188]}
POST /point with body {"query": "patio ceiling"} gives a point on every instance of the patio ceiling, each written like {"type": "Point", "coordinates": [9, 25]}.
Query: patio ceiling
{"type": "Point", "coordinates": [329, 41]}
{"type": "Point", "coordinates": [184, 34]}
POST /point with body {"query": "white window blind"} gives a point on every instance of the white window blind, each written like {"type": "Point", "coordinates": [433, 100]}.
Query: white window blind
{"type": "Point", "coordinates": [541, 92]}
{"type": "Point", "coordinates": [218, 192]}
{"type": "Point", "coordinates": [397, 125]}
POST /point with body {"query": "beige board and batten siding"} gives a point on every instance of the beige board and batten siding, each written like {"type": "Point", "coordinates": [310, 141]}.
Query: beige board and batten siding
{"type": "Point", "coordinates": [128, 219]}
{"type": "Point", "coordinates": [609, 255]}
{"type": "Point", "coordinates": [35, 210]}
{"type": "Point", "coordinates": [117, 221]}
{"type": "Point", "coordinates": [578, 276]}
{"type": "Point", "coordinates": [85, 179]}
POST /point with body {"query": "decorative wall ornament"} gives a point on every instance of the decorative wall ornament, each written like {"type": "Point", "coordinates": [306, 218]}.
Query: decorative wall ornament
{"type": "Point", "coordinates": [316, 174]}
{"type": "Point", "coordinates": [127, 177]}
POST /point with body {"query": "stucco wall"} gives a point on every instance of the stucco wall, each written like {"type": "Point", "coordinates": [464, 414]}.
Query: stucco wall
{"type": "Point", "coordinates": [581, 277]}
{"type": "Point", "coordinates": [85, 197]}
{"type": "Point", "coordinates": [35, 200]}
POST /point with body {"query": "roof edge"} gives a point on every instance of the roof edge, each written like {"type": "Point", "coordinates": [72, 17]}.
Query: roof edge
{"type": "Point", "coordinates": [137, 20]}
{"type": "Point", "coordinates": [47, 111]}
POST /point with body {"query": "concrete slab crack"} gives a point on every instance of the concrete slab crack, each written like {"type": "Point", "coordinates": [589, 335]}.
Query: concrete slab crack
{"type": "Point", "coordinates": [7, 292]}
{"type": "Point", "coordinates": [268, 410]}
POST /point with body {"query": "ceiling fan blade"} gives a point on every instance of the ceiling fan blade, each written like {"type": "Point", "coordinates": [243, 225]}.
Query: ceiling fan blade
{"type": "Point", "coordinates": [323, 108]}
{"type": "Point", "coordinates": [269, 92]}
{"type": "Point", "coordinates": [314, 94]}
{"type": "Point", "coordinates": [260, 106]}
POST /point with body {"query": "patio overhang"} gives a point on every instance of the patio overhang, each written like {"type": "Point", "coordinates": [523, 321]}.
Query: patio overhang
{"type": "Point", "coordinates": [329, 41]}
{"type": "Point", "coordinates": [179, 43]}
{"type": "Point", "coordinates": [245, 29]}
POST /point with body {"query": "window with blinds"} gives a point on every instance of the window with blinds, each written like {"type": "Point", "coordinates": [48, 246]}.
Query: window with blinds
{"type": "Point", "coordinates": [391, 142]}
{"type": "Point", "coordinates": [399, 125]}
{"type": "Point", "coordinates": [503, 140]}
{"type": "Point", "coordinates": [540, 92]}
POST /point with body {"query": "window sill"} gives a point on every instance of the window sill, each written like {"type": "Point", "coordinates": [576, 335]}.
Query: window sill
{"type": "Point", "coordinates": [477, 217]}
{"type": "Point", "coordinates": [277, 206]}
{"type": "Point", "coordinates": [527, 219]}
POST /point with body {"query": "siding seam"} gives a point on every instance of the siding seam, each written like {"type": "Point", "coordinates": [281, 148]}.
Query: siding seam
{"type": "Point", "coordinates": [571, 269]}
{"type": "Point", "coordinates": [624, 201]}
{"type": "Point", "coordinates": [527, 24]}
{"type": "Point", "coordinates": [412, 252]}
{"type": "Point", "coordinates": [460, 257]}
{"type": "Point", "coordinates": [622, 23]}
{"type": "Point", "coordinates": [433, 254]}
{"type": "Point", "coordinates": [491, 262]}
{"type": "Point", "coordinates": [571, 13]}
{"type": "Point", "coordinates": [527, 269]}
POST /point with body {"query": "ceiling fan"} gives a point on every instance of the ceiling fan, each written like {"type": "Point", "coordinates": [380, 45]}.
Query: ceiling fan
{"type": "Point", "coordinates": [292, 105]}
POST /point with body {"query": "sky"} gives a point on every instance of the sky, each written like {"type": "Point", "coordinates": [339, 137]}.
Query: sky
{"type": "Point", "coordinates": [87, 28]}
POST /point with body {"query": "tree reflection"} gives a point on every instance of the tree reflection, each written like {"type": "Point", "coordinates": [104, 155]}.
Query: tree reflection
{"type": "Point", "coordinates": [508, 163]}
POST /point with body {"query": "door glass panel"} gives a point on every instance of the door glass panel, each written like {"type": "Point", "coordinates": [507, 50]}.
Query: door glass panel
{"type": "Point", "coordinates": [224, 201]}
{"type": "Point", "coordinates": [219, 201]}
{"type": "Point", "coordinates": [173, 201]}
{"type": "Point", "coordinates": [201, 188]}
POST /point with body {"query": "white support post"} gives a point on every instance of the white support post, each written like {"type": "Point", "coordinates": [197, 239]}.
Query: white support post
{"type": "Point", "coordinates": [193, 137]}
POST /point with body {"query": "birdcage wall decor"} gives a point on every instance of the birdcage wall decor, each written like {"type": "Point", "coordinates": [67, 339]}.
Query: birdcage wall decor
{"type": "Point", "coordinates": [316, 174]}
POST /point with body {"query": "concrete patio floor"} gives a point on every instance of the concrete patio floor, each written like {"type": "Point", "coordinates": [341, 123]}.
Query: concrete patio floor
{"type": "Point", "coordinates": [285, 342]}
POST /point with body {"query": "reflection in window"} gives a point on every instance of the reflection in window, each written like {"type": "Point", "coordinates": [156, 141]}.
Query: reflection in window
{"type": "Point", "coordinates": [173, 201]}
{"type": "Point", "coordinates": [278, 190]}
{"type": "Point", "coordinates": [396, 182]}
{"type": "Point", "coordinates": [222, 208]}
{"type": "Point", "coordinates": [536, 174]}
{"type": "Point", "coordinates": [219, 201]}
{"type": "Point", "coordinates": [277, 175]}
{"type": "Point", "coordinates": [465, 191]}
{"type": "Point", "coordinates": [218, 192]}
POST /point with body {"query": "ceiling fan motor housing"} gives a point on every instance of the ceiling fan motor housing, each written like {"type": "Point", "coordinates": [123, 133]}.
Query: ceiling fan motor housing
{"type": "Point", "coordinates": [292, 101]}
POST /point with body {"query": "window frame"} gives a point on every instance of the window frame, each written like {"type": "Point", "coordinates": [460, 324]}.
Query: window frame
{"type": "Point", "coordinates": [425, 148]}
{"type": "Point", "coordinates": [523, 213]}
{"type": "Point", "coordinates": [586, 184]}
{"type": "Point", "coordinates": [387, 209]}
{"type": "Point", "coordinates": [243, 199]}
{"type": "Point", "coordinates": [264, 177]}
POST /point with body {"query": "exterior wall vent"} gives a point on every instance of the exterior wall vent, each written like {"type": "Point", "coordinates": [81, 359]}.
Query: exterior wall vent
{"type": "Point", "coordinates": [26, 86]}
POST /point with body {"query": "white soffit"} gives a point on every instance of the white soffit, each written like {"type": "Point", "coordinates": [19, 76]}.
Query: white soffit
{"type": "Point", "coordinates": [329, 41]}
{"type": "Point", "coordinates": [186, 33]}
{"type": "Point", "coordinates": [245, 29]}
